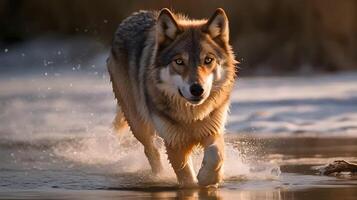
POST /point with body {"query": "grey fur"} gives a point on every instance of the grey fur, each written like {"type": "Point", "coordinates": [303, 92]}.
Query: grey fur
{"type": "Point", "coordinates": [132, 34]}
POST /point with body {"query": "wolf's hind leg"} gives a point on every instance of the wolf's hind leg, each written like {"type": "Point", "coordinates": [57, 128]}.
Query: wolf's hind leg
{"type": "Point", "coordinates": [119, 122]}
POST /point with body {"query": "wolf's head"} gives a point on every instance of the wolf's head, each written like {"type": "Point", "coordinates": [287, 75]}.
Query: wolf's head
{"type": "Point", "coordinates": [192, 55]}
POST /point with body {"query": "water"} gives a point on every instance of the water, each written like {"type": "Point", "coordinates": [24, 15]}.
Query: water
{"type": "Point", "coordinates": [56, 140]}
{"type": "Point", "coordinates": [48, 169]}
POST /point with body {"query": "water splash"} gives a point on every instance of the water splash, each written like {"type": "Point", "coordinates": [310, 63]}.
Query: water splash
{"type": "Point", "coordinates": [113, 154]}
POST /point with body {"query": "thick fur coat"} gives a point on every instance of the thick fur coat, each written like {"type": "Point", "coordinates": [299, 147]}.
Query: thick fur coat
{"type": "Point", "coordinates": [172, 77]}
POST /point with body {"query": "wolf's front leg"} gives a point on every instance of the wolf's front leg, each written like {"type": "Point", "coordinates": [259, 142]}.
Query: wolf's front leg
{"type": "Point", "coordinates": [211, 170]}
{"type": "Point", "coordinates": [181, 163]}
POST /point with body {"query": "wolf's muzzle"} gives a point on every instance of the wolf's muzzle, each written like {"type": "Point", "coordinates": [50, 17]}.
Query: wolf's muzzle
{"type": "Point", "coordinates": [196, 90]}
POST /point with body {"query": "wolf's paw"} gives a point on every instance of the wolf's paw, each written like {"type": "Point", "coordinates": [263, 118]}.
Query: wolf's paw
{"type": "Point", "coordinates": [188, 185]}
{"type": "Point", "coordinates": [211, 170]}
{"type": "Point", "coordinates": [208, 177]}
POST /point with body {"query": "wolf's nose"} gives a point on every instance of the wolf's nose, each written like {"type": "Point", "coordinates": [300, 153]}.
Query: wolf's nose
{"type": "Point", "coordinates": [196, 90]}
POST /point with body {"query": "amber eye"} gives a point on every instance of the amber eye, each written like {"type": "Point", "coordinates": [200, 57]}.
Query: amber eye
{"type": "Point", "coordinates": [208, 60]}
{"type": "Point", "coordinates": [179, 61]}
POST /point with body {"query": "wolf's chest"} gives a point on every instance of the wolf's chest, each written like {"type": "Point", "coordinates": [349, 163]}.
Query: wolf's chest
{"type": "Point", "coordinates": [177, 134]}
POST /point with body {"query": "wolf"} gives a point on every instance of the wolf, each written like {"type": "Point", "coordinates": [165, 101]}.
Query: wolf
{"type": "Point", "coordinates": [172, 77]}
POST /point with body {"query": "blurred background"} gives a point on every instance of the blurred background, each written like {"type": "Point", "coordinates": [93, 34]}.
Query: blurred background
{"type": "Point", "coordinates": [269, 37]}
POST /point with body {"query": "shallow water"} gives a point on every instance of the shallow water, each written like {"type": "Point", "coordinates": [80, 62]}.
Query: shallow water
{"type": "Point", "coordinates": [38, 171]}
{"type": "Point", "coordinates": [56, 141]}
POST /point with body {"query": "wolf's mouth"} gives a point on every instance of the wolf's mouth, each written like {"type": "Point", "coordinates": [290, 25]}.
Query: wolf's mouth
{"type": "Point", "coordinates": [195, 100]}
{"type": "Point", "coordinates": [191, 100]}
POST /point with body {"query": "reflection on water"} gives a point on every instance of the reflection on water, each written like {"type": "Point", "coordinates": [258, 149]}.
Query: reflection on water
{"type": "Point", "coordinates": [34, 171]}
{"type": "Point", "coordinates": [213, 194]}
{"type": "Point", "coordinates": [278, 194]}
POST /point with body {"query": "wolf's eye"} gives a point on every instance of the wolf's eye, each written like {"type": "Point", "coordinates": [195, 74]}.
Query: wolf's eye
{"type": "Point", "coordinates": [208, 60]}
{"type": "Point", "coordinates": [179, 61]}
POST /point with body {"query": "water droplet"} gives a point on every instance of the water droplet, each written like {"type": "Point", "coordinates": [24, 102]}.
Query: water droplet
{"type": "Point", "coordinates": [105, 21]}
{"type": "Point", "coordinates": [6, 50]}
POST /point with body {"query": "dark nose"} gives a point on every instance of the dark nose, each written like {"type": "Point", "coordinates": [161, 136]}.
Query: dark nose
{"type": "Point", "coordinates": [196, 90]}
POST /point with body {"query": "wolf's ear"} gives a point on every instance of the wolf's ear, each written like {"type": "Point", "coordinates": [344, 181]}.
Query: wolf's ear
{"type": "Point", "coordinates": [167, 27]}
{"type": "Point", "coordinates": [217, 25]}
